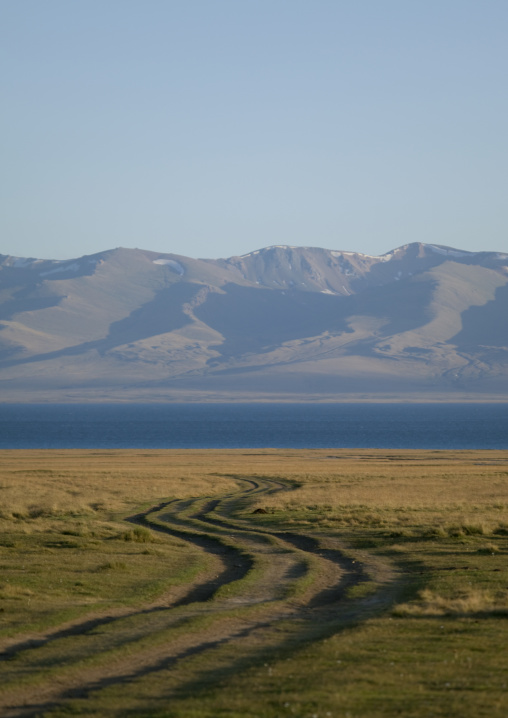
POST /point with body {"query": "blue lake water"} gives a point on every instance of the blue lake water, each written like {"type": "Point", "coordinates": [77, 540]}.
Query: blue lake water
{"type": "Point", "coordinates": [397, 426]}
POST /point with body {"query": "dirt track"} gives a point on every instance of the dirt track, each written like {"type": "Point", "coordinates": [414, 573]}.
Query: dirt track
{"type": "Point", "coordinates": [265, 591]}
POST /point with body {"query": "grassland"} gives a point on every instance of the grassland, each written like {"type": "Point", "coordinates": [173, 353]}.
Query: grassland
{"type": "Point", "coordinates": [253, 583]}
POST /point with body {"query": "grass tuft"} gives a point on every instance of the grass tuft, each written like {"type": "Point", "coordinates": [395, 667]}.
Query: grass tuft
{"type": "Point", "coordinates": [466, 602]}
{"type": "Point", "coordinates": [14, 591]}
{"type": "Point", "coordinates": [490, 548]}
{"type": "Point", "coordinates": [139, 534]}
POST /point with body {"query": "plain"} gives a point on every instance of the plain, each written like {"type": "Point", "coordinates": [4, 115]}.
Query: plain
{"type": "Point", "coordinates": [263, 583]}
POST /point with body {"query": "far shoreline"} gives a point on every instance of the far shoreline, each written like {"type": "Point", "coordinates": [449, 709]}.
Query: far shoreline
{"type": "Point", "coordinates": [249, 399]}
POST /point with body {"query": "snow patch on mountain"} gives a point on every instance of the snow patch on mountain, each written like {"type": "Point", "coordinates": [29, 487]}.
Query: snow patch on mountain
{"type": "Point", "coordinates": [176, 266]}
{"type": "Point", "coordinates": [380, 258]}
{"type": "Point", "coordinates": [21, 262]}
{"type": "Point", "coordinates": [74, 267]}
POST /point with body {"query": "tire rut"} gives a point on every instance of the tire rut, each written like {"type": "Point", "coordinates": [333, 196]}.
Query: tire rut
{"type": "Point", "coordinates": [240, 548]}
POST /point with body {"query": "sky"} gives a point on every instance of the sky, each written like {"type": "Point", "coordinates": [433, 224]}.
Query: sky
{"type": "Point", "coordinates": [211, 128]}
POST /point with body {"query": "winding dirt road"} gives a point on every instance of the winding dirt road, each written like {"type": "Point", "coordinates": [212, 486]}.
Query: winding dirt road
{"type": "Point", "coordinates": [265, 591]}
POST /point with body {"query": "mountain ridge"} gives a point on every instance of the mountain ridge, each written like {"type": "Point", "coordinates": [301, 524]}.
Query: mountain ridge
{"type": "Point", "coordinates": [421, 322]}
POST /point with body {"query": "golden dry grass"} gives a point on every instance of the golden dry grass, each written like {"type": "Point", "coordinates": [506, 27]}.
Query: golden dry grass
{"type": "Point", "coordinates": [72, 480]}
{"type": "Point", "coordinates": [465, 602]}
{"type": "Point", "coordinates": [454, 493]}
{"type": "Point", "coordinates": [461, 492]}
{"type": "Point", "coordinates": [49, 483]}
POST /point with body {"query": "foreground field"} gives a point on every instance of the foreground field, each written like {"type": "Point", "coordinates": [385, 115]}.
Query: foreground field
{"type": "Point", "coordinates": [263, 583]}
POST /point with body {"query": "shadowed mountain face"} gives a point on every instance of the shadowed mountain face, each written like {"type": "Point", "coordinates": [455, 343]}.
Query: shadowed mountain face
{"type": "Point", "coordinates": [256, 320]}
{"type": "Point", "coordinates": [487, 325]}
{"type": "Point", "coordinates": [281, 322]}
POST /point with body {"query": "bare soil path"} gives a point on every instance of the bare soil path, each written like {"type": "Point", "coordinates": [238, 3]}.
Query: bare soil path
{"type": "Point", "coordinates": [263, 591]}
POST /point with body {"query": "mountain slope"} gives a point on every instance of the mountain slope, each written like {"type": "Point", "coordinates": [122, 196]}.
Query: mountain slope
{"type": "Point", "coordinates": [421, 321]}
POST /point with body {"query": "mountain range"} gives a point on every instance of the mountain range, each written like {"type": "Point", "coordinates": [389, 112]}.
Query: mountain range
{"type": "Point", "coordinates": [423, 322]}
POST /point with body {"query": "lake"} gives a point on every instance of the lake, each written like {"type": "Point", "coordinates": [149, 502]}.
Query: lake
{"type": "Point", "coordinates": [218, 426]}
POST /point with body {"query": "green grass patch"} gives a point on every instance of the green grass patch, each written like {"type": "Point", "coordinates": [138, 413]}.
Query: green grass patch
{"type": "Point", "coordinates": [48, 577]}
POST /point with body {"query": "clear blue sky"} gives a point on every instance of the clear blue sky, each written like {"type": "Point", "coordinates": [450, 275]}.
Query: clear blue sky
{"type": "Point", "coordinates": [214, 127]}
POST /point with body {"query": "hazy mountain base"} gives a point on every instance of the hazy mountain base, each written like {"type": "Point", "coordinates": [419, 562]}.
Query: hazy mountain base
{"type": "Point", "coordinates": [421, 323]}
{"type": "Point", "coordinates": [283, 383]}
